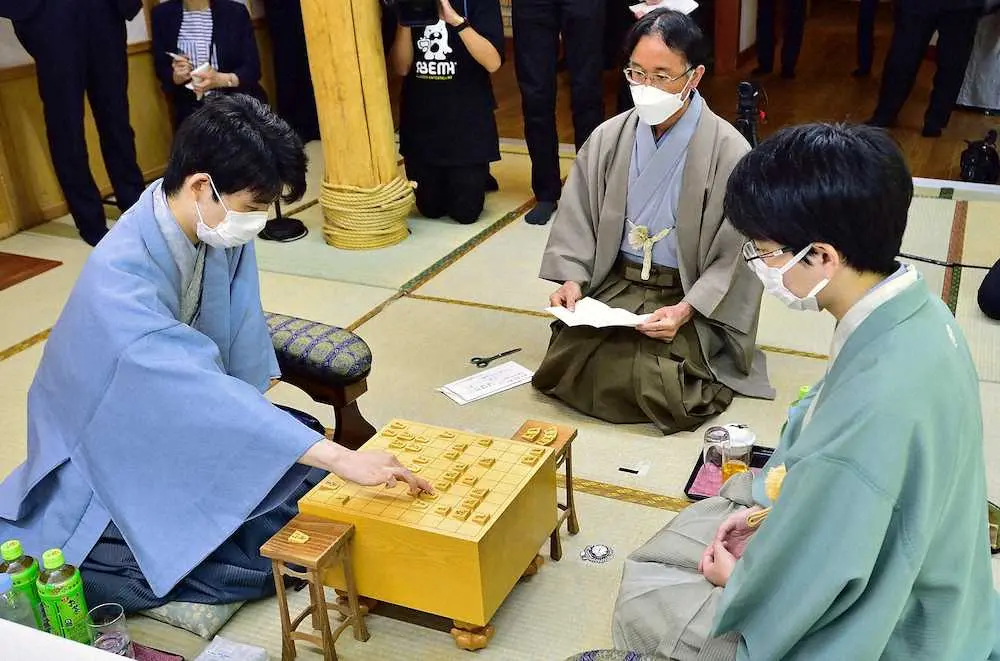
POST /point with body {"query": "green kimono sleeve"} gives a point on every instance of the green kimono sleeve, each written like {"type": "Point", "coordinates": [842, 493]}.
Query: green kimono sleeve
{"type": "Point", "coordinates": [808, 586]}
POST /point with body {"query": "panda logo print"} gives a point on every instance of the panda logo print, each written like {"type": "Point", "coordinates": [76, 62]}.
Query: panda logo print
{"type": "Point", "coordinates": [434, 46]}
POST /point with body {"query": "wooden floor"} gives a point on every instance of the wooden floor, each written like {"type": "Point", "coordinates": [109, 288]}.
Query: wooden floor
{"type": "Point", "coordinates": [823, 91]}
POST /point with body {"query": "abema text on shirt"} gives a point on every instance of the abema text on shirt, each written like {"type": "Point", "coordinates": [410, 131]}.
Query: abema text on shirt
{"type": "Point", "coordinates": [436, 68]}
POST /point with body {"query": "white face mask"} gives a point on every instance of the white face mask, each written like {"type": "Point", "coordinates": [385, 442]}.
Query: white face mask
{"type": "Point", "coordinates": [774, 283]}
{"type": "Point", "coordinates": [236, 229]}
{"type": "Point", "coordinates": [656, 106]}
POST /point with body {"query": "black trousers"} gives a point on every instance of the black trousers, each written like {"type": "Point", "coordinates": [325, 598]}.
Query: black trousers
{"type": "Point", "coordinates": [989, 293]}
{"type": "Point", "coordinates": [956, 36]}
{"type": "Point", "coordinates": [867, 11]}
{"type": "Point", "coordinates": [795, 23]}
{"type": "Point", "coordinates": [295, 99]}
{"type": "Point", "coordinates": [456, 191]}
{"type": "Point", "coordinates": [537, 26]}
{"type": "Point", "coordinates": [79, 47]}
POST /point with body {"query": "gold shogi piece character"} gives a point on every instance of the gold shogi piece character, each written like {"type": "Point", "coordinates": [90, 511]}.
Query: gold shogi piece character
{"type": "Point", "coordinates": [461, 514]}
{"type": "Point", "coordinates": [460, 467]}
{"type": "Point", "coordinates": [531, 433]}
{"type": "Point", "coordinates": [442, 485]}
{"type": "Point", "coordinates": [484, 442]}
{"type": "Point", "coordinates": [414, 447]}
{"type": "Point", "coordinates": [389, 433]}
{"type": "Point", "coordinates": [451, 476]}
{"type": "Point", "coordinates": [398, 425]}
{"type": "Point", "coordinates": [470, 503]}
{"type": "Point", "coordinates": [548, 437]}
{"type": "Point", "coordinates": [529, 460]}
{"type": "Point", "coordinates": [481, 518]}
{"type": "Point", "coordinates": [446, 434]}
{"type": "Point", "coordinates": [470, 480]}
{"type": "Point", "coordinates": [442, 509]}
{"type": "Point", "coordinates": [487, 462]}
{"type": "Point", "coordinates": [451, 454]}
{"type": "Point", "coordinates": [397, 445]}
{"type": "Point", "coordinates": [479, 493]}
{"type": "Point", "coordinates": [460, 447]}
{"type": "Point", "coordinates": [406, 436]}
{"type": "Point", "coordinates": [419, 505]}
{"type": "Point", "coordinates": [429, 497]}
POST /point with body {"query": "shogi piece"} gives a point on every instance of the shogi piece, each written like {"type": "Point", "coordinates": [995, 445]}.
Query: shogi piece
{"type": "Point", "coordinates": [559, 440]}
{"type": "Point", "coordinates": [318, 545]}
{"type": "Point", "coordinates": [460, 557]}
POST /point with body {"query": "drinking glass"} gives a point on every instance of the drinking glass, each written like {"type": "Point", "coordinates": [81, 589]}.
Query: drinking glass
{"type": "Point", "coordinates": [108, 631]}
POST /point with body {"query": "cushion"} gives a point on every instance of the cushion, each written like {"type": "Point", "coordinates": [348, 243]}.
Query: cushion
{"type": "Point", "coordinates": [328, 353]}
{"type": "Point", "coordinates": [203, 620]}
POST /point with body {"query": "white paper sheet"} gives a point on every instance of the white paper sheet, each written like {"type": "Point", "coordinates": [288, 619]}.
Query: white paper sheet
{"type": "Point", "coordinates": [487, 382]}
{"type": "Point", "coordinates": [591, 312]}
{"type": "Point", "coordinates": [683, 6]}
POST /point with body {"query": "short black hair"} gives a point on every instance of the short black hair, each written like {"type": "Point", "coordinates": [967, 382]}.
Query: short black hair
{"type": "Point", "coordinates": [841, 184]}
{"type": "Point", "coordinates": [678, 31]}
{"type": "Point", "coordinates": [243, 145]}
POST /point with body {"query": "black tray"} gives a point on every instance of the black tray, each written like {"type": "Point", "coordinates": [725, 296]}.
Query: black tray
{"type": "Point", "coordinates": [758, 457]}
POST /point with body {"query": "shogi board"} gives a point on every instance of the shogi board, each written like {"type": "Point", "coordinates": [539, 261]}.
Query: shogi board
{"type": "Point", "coordinates": [457, 553]}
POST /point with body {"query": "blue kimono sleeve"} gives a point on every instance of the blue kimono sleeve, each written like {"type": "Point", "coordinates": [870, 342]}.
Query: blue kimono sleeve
{"type": "Point", "coordinates": [807, 586]}
{"type": "Point", "coordinates": [180, 453]}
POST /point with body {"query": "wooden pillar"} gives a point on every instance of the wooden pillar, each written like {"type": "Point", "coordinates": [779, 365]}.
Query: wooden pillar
{"type": "Point", "coordinates": [365, 200]}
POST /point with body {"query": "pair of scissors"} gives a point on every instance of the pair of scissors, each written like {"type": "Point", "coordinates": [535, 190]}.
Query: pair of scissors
{"type": "Point", "coordinates": [483, 362]}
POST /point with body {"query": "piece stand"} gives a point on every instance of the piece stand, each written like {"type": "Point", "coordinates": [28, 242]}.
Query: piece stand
{"type": "Point", "coordinates": [317, 545]}
{"type": "Point", "coordinates": [560, 439]}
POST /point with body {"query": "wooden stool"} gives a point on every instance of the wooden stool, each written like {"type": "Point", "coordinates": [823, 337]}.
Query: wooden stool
{"type": "Point", "coordinates": [536, 432]}
{"type": "Point", "coordinates": [315, 544]}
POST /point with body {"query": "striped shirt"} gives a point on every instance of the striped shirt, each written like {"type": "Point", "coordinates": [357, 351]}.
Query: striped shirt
{"type": "Point", "coordinates": [195, 38]}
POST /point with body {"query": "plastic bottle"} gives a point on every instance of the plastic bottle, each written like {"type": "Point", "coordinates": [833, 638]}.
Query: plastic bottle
{"type": "Point", "coordinates": [60, 590]}
{"type": "Point", "coordinates": [23, 570]}
{"type": "Point", "coordinates": [14, 605]}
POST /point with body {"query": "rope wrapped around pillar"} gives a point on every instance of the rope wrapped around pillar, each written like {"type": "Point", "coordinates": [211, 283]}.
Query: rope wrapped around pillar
{"type": "Point", "coordinates": [366, 218]}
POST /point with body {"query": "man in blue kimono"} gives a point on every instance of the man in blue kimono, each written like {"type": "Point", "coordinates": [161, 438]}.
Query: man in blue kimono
{"type": "Point", "coordinates": [876, 544]}
{"type": "Point", "coordinates": [154, 460]}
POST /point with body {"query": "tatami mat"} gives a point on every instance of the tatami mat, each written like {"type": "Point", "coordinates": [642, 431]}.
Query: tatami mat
{"type": "Point", "coordinates": [326, 301]}
{"type": "Point", "coordinates": [566, 608]}
{"type": "Point", "coordinates": [434, 341]}
{"type": "Point", "coordinates": [429, 241]}
{"type": "Point", "coordinates": [982, 333]}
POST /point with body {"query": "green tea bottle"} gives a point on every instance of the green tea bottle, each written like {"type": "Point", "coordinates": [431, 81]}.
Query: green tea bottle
{"type": "Point", "coordinates": [60, 590]}
{"type": "Point", "coordinates": [23, 572]}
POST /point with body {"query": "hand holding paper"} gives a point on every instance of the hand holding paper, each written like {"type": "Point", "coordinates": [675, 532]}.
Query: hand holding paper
{"type": "Point", "coordinates": [591, 312]}
{"type": "Point", "coordinates": [683, 6]}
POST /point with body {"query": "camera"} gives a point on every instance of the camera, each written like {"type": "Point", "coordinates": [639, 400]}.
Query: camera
{"type": "Point", "coordinates": [748, 112]}
{"type": "Point", "coordinates": [414, 13]}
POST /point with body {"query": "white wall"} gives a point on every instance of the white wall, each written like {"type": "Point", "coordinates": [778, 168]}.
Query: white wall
{"type": "Point", "coordinates": [748, 24]}
{"type": "Point", "coordinates": [12, 54]}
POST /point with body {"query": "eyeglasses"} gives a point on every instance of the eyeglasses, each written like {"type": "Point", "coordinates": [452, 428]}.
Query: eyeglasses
{"type": "Point", "coordinates": [660, 80]}
{"type": "Point", "coordinates": [751, 252]}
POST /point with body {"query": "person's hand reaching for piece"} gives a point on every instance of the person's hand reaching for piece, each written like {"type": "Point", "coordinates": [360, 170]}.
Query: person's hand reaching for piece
{"type": "Point", "coordinates": [374, 468]}
{"type": "Point", "coordinates": [664, 323]}
{"type": "Point", "coordinates": [718, 564]}
{"type": "Point", "coordinates": [566, 296]}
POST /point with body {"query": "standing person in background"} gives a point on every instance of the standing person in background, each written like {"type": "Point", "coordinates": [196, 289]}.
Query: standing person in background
{"type": "Point", "coordinates": [295, 99]}
{"type": "Point", "coordinates": [188, 34]}
{"type": "Point", "coordinates": [867, 10]}
{"type": "Point", "coordinates": [447, 131]}
{"type": "Point", "coordinates": [79, 47]}
{"type": "Point", "coordinates": [795, 24]}
{"type": "Point", "coordinates": [537, 27]}
{"type": "Point", "coordinates": [955, 22]}
{"type": "Point", "coordinates": [989, 293]}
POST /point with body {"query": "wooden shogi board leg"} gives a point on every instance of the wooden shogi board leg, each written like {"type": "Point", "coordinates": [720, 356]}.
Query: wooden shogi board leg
{"type": "Point", "coordinates": [287, 645]}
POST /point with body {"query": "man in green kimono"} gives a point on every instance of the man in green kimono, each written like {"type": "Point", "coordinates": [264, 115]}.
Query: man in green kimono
{"type": "Point", "coordinates": [640, 226]}
{"type": "Point", "coordinates": [875, 544]}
